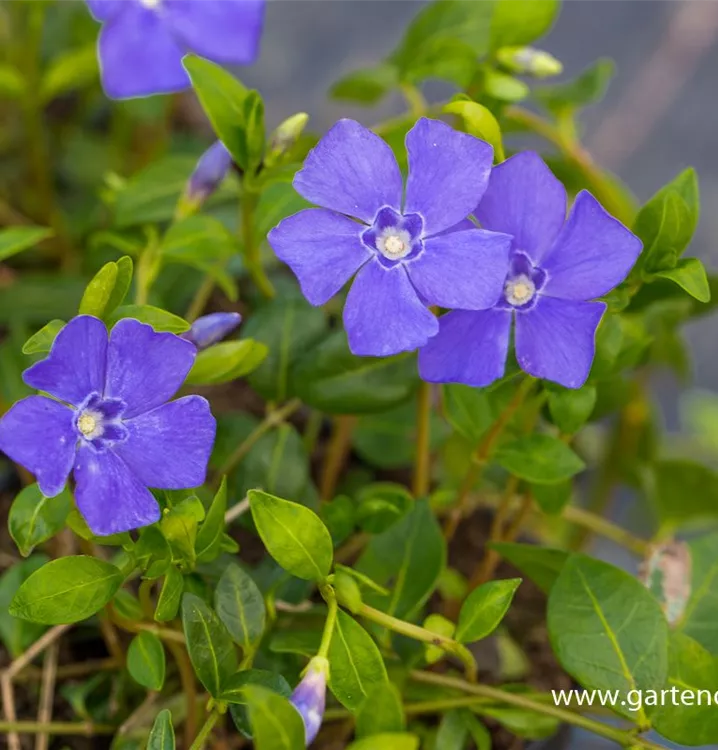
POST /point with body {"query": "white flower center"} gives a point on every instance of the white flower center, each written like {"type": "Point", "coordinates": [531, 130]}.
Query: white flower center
{"type": "Point", "coordinates": [394, 243]}
{"type": "Point", "coordinates": [90, 424]}
{"type": "Point", "coordinates": [151, 3]}
{"type": "Point", "coordinates": [520, 290]}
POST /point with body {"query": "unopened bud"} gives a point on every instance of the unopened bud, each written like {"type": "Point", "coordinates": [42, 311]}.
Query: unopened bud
{"type": "Point", "coordinates": [348, 592]}
{"type": "Point", "coordinates": [209, 329]}
{"type": "Point", "coordinates": [211, 169]}
{"type": "Point", "coordinates": [309, 697]}
{"type": "Point", "coordinates": [285, 136]}
{"type": "Point", "coordinates": [529, 61]}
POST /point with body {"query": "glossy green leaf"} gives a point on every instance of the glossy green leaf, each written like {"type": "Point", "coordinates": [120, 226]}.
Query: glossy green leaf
{"type": "Point", "coordinates": [210, 647]}
{"type": "Point", "coordinates": [356, 666]}
{"type": "Point", "coordinates": [16, 239]}
{"type": "Point", "coordinates": [587, 88]}
{"type": "Point", "coordinates": [552, 498]}
{"type": "Point", "coordinates": [380, 505]}
{"type": "Point", "coordinates": [179, 525]}
{"type": "Point", "coordinates": [42, 341]}
{"type": "Point", "coordinates": [34, 518]}
{"type": "Point", "coordinates": [127, 605]}
{"type": "Point", "coordinates": [381, 712]}
{"type": "Point", "coordinates": [293, 535]}
{"type": "Point", "coordinates": [540, 564]}
{"type": "Point", "coordinates": [408, 558]}
{"type": "Point", "coordinates": [571, 408]}
{"type": "Point", "coordinates": [227, 361]}
{"type": "Point", "coordinates": [98, 291]}
{"type": "Point", "coordinates": [504, 87]}
{"type": "Point", "coordinates": [330, 378]}
{"type": "Point", "coordinates": [209, 536]}
{"type": "Point", "coordinates": [170, 595]}
{"type": "Point", "coordinates": [387, 741]}
{"type": "Point", "coordinates": [457, 727]}
{"type": "Point", "coordinates": [539, 458]}
{"type": "Point", "coordinates": [125, 269]}
{"type": "Point", "coordinates": [366, 86]}
{"type": "Point", "coordinates": [253, 140]}
{"type": "Point", "coordinates": [468, 410]}
{"type": "Point", "coordinates": [480, 122]}
{"type": "Point", "coordinates": [701, 613]}
{"type": "Point", "coordinates": [146, 660]}
{"type": "Point", "coordinates": [66, 590]}
{"type": "Point", "coordinates": [240, 605]}
{"type": "Point", "coordinates": [162, 736]}
{"type": "Point", "coordinates": [520, 22]}
{"type": "Point", "coordinates": [590, 608]}
{"type": "Point", "coordinates": [484, 608]}
{"type": "Point", "coordinates": [690, 275]}
{"type": "Point", "coordinates": [339, 516]}
{"type": "Point", "coordinates": [17, 635]}
{"type": "Point", "coordinates": [159, 319]}
{"type": "Point", "coordinates": [235, 693]}
{"type": "Point", "coordinates": [276, 724]}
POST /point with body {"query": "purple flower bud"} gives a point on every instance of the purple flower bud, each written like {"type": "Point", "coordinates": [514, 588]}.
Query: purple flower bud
{"type": "Point", "coordinates": [211, 169]}
{"type": "Point", "coordinates": [209, 329]}
{"type": "Point", "coordinates": [310, 695]}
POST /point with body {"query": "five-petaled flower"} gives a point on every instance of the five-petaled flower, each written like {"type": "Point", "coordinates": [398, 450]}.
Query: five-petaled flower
{"type": "Point", "coordinates": [109, 421]}
{"type": "Point", "coordinates": [142, 42]}
{"type": "Point", "coordinates": [558, 266]}
{"type": "Point", "coordinates": [408, 253]}
{"type": "Point", "coordinates": [309, 697]}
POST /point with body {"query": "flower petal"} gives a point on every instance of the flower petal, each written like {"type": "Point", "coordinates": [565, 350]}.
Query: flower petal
{"type": "Point", "coordinates": [169, 447]}
{"type": "Point", "coordinates": [448, 174]}
{"type": "Point", "coordinates": [138, 55]}
{"type": "Point", "coordinates": [383, 314]}
{"type": "Point", "coordinates": [75, 366]}
{"type": "Point", "coordinates": [225, 31]}
{"type": "Point", "coordinates": [524, 199]}
{"type": "Point", "coordinates": [470, 348]}
{"type": "Point", "coordinates": [592, 255]}
{"type": "Point", "coordinates": [351, 170]}
{"type": "Point", "coordinates": [145, 368]}
{"type": "Point", "coordinates": [209, 329]}
{"type": "Point", "coordinates": [38, 433]}
{"type": "Point", "coordinates": [103, 10]}
{"type": "Point", "coordinates": [556, 339]}
{"type": "Point", "coordinates": [323, 248]}
{"type": "Point", "coordinates": [465, 269]}
{"type": "Point", "coordinates": [109, 496]}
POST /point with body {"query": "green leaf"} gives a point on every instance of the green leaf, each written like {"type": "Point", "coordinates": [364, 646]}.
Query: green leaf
{"type": "Point", "coordinates": [227, 361]}
{"type": "Point", "coordinates": [390, 741]}
{"type": "Point", "coordinates": [234, 693]}
{"type": "Point", "coordinates": [240, 605]}
{"type": "Point", "coordinates": [78, 525]}
{"type": "Point", "coordinates": [210, 647]}
{"type": "Point", "coordinates": [690, 275]}
{"type": "Point", "coordinates": [17, 239]}
{"type": "Point", "coordinates": [66, 590]}
{"type": "Point", "coordinates": [682, 491]}
{"type": "Point", "coordinates": [209, 537]}
{"type": "Point", "coordinates": [504, 87]}
{"type": "Point", "coordinates": [468, 410]}
{"type": "Point", "coordinates": [380, 505]}
{"type": "Point", "coordinates": [125, 268]}
{"type": "Point", "coordinates": [590, 608]}
{"type": "Point", "coordinates": [455, 729]}
{"type": "Point", "coordinates": [34, 518]}
{"type": "Point", "coordinates": [701, 614]}
{"type": "Point", "coordinates": [18, 635]}
{"type": "Point", "coordinates": [366, 86]}
{"type": "Point", "coordinates": [12, 84]}
{"type": "Point", "coordinates": [162, 736]}
{"type": "Point", "coordinates": [356, 666]}
{"type": "Point", "coordinates": [146, 660]}
{"type": "Point", "coordinates": [170, 596]}
{"type": "Point", "coordinates": [179, 526]}
{"type": "Point", "coordinates": [41, 342]}
{"type": "Point", "coordinates": [98, 291]}
{"type": "Point", "coordinates": [588, 88]}
{"type": "Point", "coordinates": [381, 712]}
{"type": "Point", "coordinates": [520, 22]}
{"type": "Point", "coordinates": [480, 122]}
{"type": "Point", "coordinates": [539, 458]}
{"type": "Point", "coordinates": [253, 140]}
{"type": "Point", "coordinates": [293, 535]}
{"type": "Point", "coordinates": [159, 319]}
{"type": "Point", "coordinates": [484, 609]}
{"type": "Point", "coordinates": [330, 378]}
{"type": "Point", "coordinates": [127, 605]}
{"type": "Point", "coordinates": [571, 407]}
{"type": "Point", "coordinates": [339, 516]}
{"type": "Point", "coordinates": [691, 669]}
{"type": "Point", "coordinates": [541, 564]}
{"type": "Point", "coordinates": [552, 498]}
{"type": "Point", "coordinates": [408, 558]}
{"type": "Point", "coordinates": [276, 724]}
{"type": "Point", "coordinates": [222, 97]}
{"type": "Point", "coordinates": [288, 328]}
{"type": "Point", "coordinates": [73, 69]}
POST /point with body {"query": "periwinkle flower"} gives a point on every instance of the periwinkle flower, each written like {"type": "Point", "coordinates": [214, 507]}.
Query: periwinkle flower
{"type": "Point", "coordinates": [558, 266]}
{"type": "Point", "coordinates": [309, 697]}
{"type": "Point", "coordinates": [211, 169]}
{"type": "Point", "coordinates": [411, 249]}
{"type": "Point", "coordinates": [209, 329]}
{"type": "Point", "coordinates": [142, 42]}
{"type": "Point", "coordinates": [108, 421]}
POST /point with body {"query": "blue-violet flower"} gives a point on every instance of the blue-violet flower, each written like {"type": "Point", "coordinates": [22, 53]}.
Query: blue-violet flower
{"type": "Point", "coordinates": [209, 329]}
{"type": "Point", "coordinates": [142, 42]}
{"type": "Point", "coordinates": [109, 421]}
{"type": "Point", "coordinates": [409, 253]}
{"type": "Point", "coordinates": [309, 697]}
{"type": "Point", "coordinates": [558, 265]}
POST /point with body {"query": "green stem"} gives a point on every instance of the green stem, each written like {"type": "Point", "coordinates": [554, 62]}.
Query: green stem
{"type": "Point", "coordinates": [330, 598]}
{"type": "Point", "coordinates": [312, 430]}
{"type": "Point", "coordinates": [78, 728]}
{"type": "Point", "coordinates": [622, 737]}
{"type": "Point", "coordinates": [206, 730]}
{"type": "Point", "coordinates": [415, 99]}
{"type": "Point", "coordinates": [422, 466]}
{"type": "Point", "coordinates": [605, 528]}
{"type": "Point", "coordinates": [200, 299]}
{"type": "Point", "coordinates": [425, 636]}
{"type": "Point", "coordinates": [252, 259]}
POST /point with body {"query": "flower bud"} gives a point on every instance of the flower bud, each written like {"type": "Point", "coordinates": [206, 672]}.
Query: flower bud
{"type": "Point", "coordinates": [309, 696]}
{"type": "Point", "coordinates": [285, 136]}
{"type": "Point", "coordinates": [209, 329]}
{"type": "Point", "coordinates": [211, 169]}
{"type": "Point", "coordinates": [529, 61]}
{"type": "Point", "coordinates": [348, 592]}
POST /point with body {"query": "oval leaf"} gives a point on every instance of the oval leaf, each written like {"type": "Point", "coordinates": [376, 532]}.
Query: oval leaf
{"type": "Point", "coordinates": [539, 458]}
{"type": "Point", "coordinates": [35, 518]}
{"type": "Point", "coordinates": [162, 736]}
{"type": "Point", "coordinates": [276, 724]}
{"type": "Point", "coordinates": [484, 609]}
{"type": "Point", "coordinates": [146, 660]}
{"type": "Point", "coordinates": [381, 712]}
{"type": "Point", "coordinates": [240, 606]}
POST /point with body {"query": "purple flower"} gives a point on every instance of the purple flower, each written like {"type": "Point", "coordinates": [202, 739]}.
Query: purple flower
{"type": "Point", "coordinates": [142, 42]}
{"type": "Point", "coordinates": [309, 696]}
{"type": "Point", "coordinates": [557, 266]}
{"type": "Point", "coordinates": [211, 169]}
{"type": "Point", "coordinates": [209, 329]}
{"type": "Point", "coordinates": [409, 254]}
{"type": "Point", "coordinates": [110, 422]}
